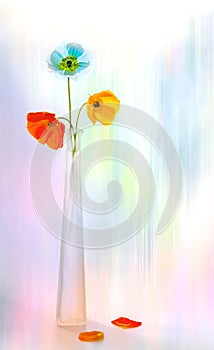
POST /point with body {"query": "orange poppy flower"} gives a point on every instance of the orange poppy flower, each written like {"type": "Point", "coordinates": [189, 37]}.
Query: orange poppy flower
{"type": "Point", "coordinates": [46, 128]}
{"type": "Point", "coordinates": [103, 107]}
{"type": "Point", "coordinates": [91, 336]}
{"type": "Point", "coordinates": [124, 322]}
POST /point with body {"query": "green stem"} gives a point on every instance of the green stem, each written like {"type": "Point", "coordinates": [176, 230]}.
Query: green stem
{"type": "Point", "coordinates": [75, 144]}
{"type": "Point", "coordinates": [76, 125]}
{"type": "Point", "coordinates": [69, 102]}
{"type": "Point", "coordinates": [69, 108]}
{"type": "Point", "coordinates": [67, 120]}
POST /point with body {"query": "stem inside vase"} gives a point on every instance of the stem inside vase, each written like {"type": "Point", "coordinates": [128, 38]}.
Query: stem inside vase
{"type": "Point", "coordinates": [71, 298]}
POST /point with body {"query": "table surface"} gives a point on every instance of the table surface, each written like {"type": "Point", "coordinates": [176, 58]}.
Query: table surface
{"type": "Point", "coordinates": [37, 329]}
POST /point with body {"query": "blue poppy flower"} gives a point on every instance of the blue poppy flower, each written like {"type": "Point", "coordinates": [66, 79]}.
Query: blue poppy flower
{"type": "Point", "coordinates": [69, 60]}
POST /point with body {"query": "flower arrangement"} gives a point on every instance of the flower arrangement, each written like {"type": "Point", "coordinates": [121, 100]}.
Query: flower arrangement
{"type": "Point", "coordinates": [71, 60]}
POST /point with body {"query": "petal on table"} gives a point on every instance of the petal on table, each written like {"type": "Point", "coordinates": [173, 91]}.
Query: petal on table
{"type": "Point", "coordinates": [91, 336]}
{"type": "Point", "coordinates": [124, 322]}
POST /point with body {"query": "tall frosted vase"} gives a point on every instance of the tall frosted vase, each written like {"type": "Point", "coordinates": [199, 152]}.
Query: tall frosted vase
{"type": "Point", "coordinates": [71, 298]}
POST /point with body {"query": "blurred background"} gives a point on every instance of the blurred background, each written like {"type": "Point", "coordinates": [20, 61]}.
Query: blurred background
{"type": "Point", "coordinates": [157, 57]}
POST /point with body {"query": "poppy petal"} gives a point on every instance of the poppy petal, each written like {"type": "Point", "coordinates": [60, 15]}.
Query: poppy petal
{"type": "Point", "coordinates": [45, 137]}
{"type": "Point", "coordinates": [40, 116]}
{"type": "Point", "coordinates": [52, 67]}
{"type": "Point", "coordinates": [74, 49]}
{"type": "Point", "coordinates": [37, 129]}
{"type": "Point", "coordinates": [124, 322]}
{"type": "Point", "coordinates": [82, 65]}
{"type": "Point", "coordinates": [106, 117]}
{"type": "Point", "coordinates": [55, 140]}
{"type": "Point", "coordinates": [56, 57]}
{"type": "Point", "coordinates": [65, 72]}
{"type": "Point", "coordinates": [91, 336]}
{"type": "Point", "coordinates": [90, 111]}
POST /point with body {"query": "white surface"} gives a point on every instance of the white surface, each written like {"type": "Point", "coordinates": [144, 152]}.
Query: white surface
{"type": "Point", "coordinates": [37, 330]}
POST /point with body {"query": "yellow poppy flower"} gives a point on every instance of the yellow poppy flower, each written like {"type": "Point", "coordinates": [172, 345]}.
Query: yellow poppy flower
{"type": "Point", "coordinates": [103, 107]}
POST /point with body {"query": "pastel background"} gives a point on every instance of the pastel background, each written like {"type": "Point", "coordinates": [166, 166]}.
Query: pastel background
{"type": "Point", "coordinates": [156, 57]}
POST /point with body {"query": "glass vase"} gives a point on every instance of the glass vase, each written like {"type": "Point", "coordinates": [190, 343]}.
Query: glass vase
{"type": "Point", "coordinates": [71, 297]}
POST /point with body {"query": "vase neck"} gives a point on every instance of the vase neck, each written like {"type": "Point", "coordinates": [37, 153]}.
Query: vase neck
{"type": "Point", "coordinates": [73, 139]}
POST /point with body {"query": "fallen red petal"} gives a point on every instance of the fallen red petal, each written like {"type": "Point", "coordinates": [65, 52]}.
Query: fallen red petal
{"type": "Point", "coordinates": [91, 336]}
{"type": "Point", "coordinates": [124, 322]}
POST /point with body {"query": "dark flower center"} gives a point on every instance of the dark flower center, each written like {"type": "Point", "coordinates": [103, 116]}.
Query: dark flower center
{"type": "Point", "coordinates": [96, 104]}
{"type": "Point", "coordinates": [69, 63]}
